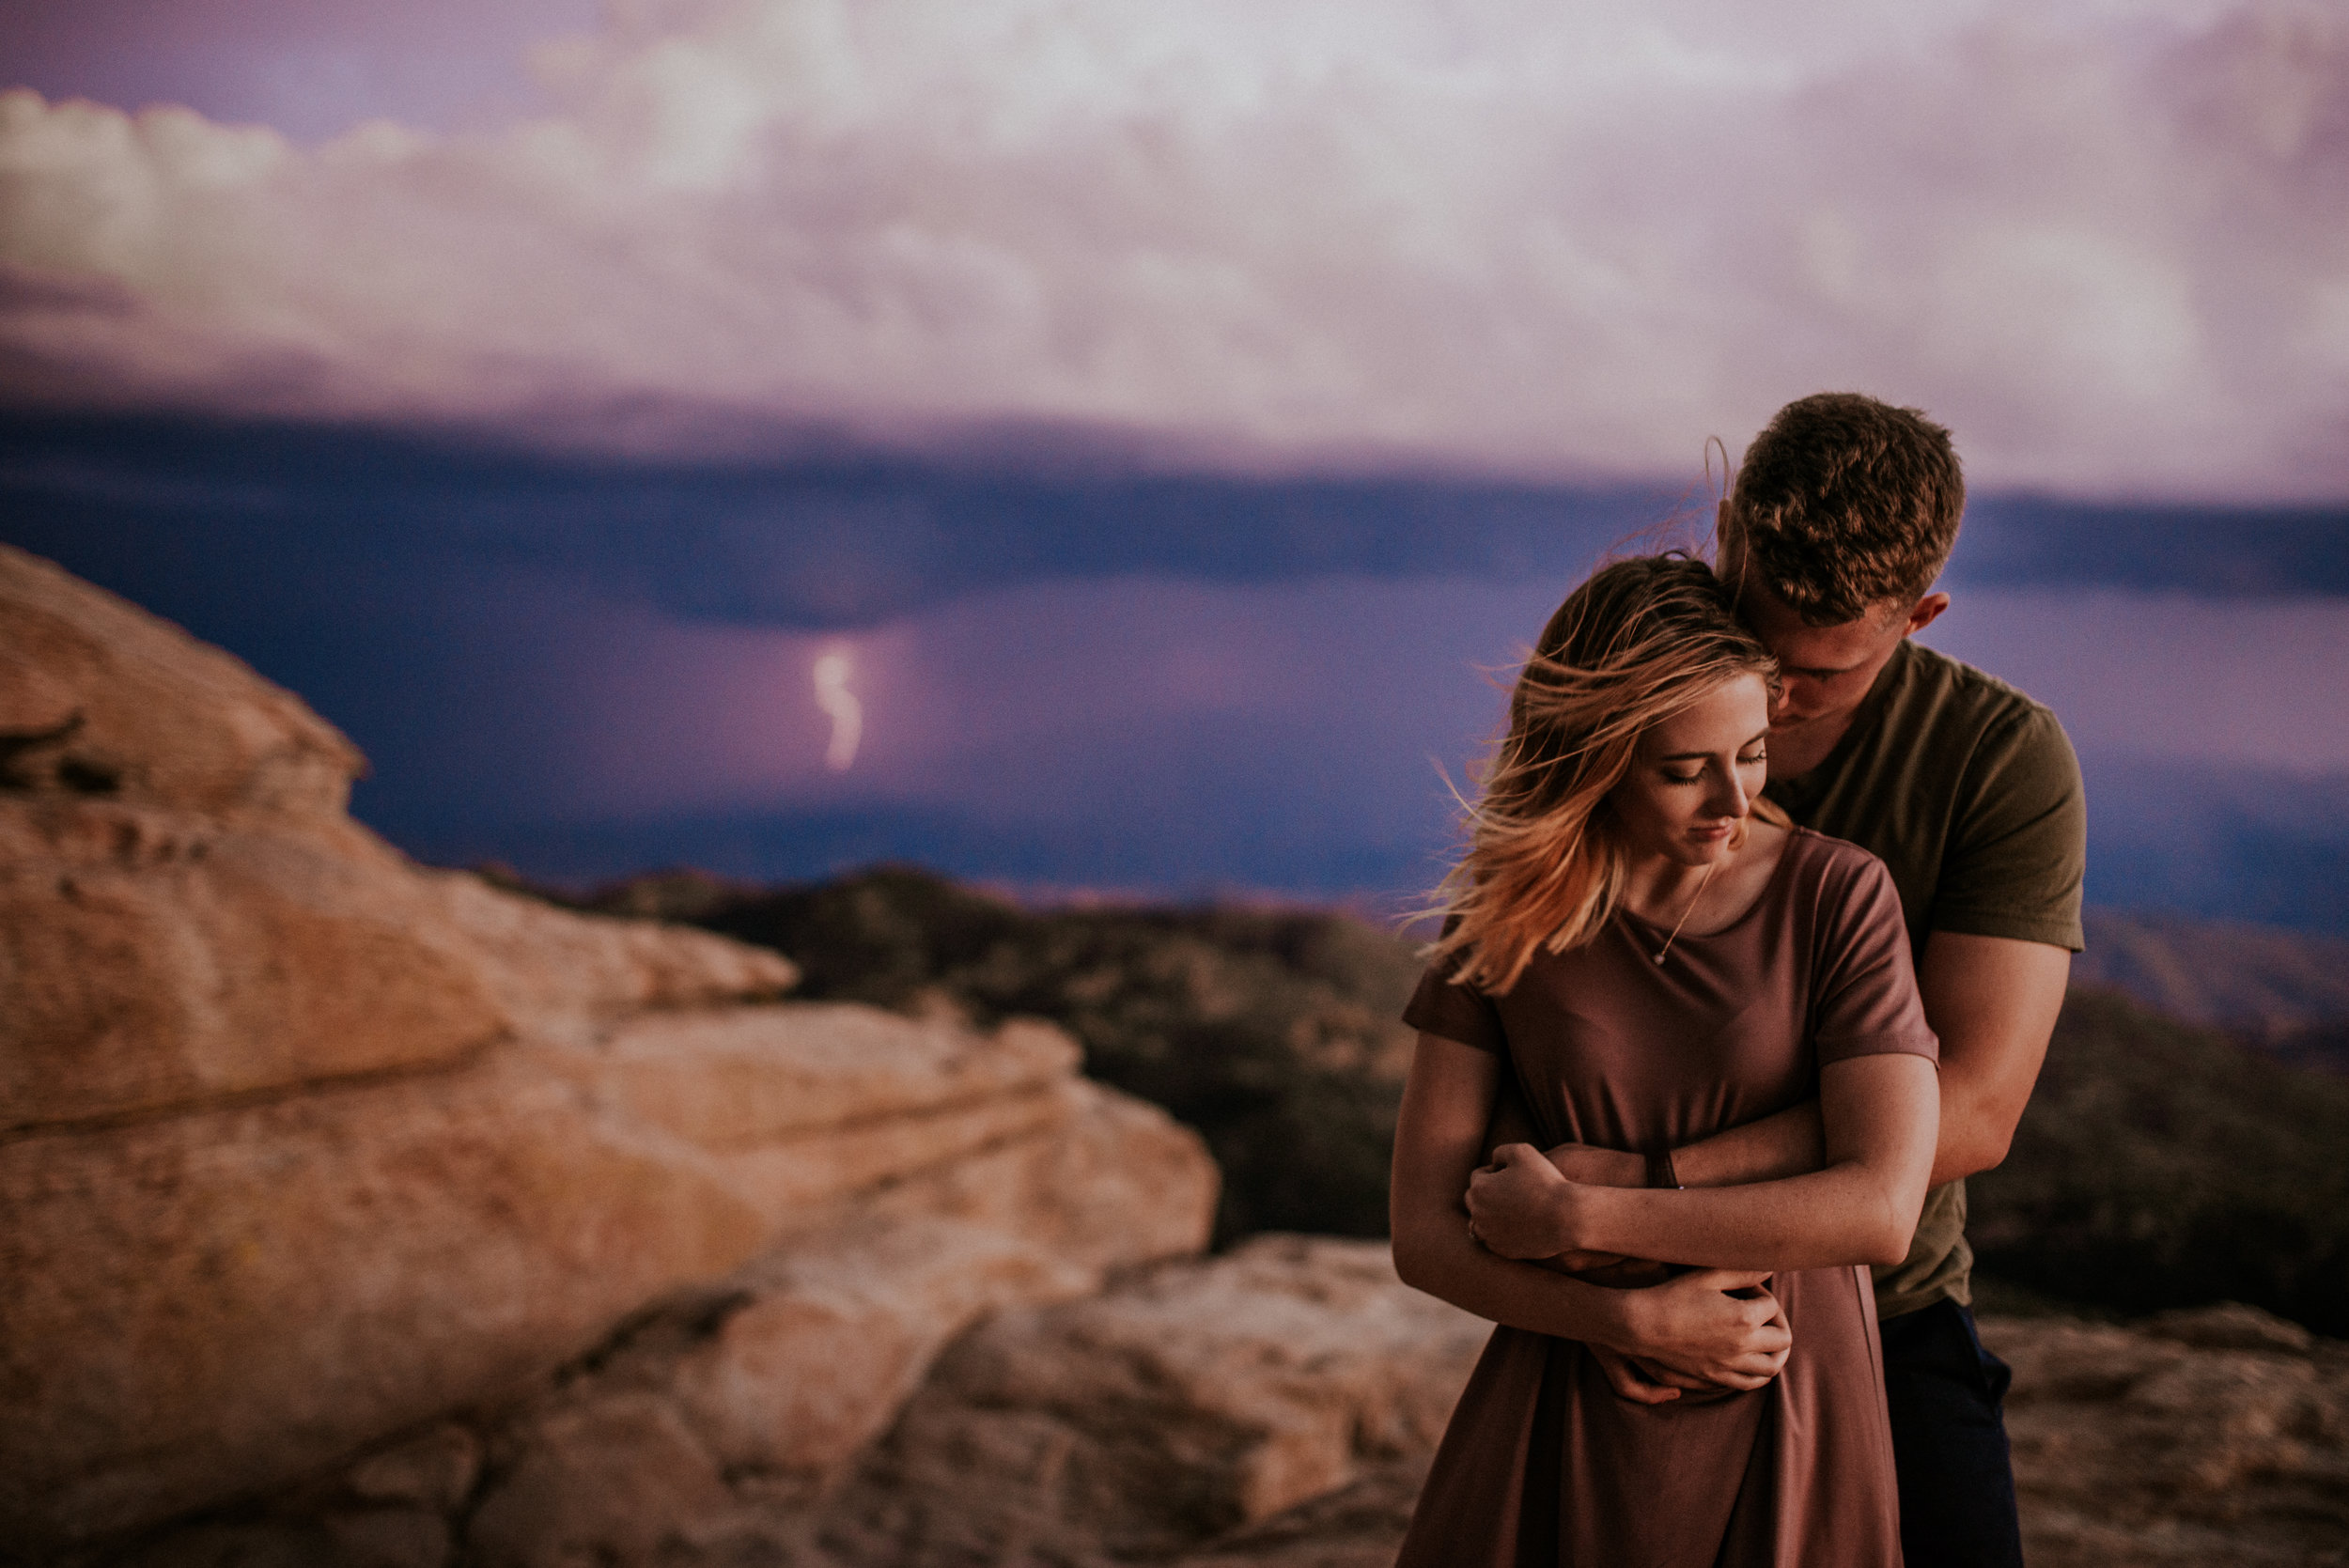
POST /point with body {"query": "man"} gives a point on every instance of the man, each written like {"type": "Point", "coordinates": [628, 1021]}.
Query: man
{"type": "Point", "coordinates": [1844, 512]}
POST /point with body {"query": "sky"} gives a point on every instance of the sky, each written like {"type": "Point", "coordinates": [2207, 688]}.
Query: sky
{"type": "Point", "coordinates": [1082, 442]}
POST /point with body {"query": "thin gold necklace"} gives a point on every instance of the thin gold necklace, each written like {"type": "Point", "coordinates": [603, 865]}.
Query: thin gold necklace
{"type": "Point", "coordinates": [1710, 866]}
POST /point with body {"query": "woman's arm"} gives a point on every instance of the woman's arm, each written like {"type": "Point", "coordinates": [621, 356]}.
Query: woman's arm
{"type": "Point", "coordinates": [1691, 1323]}
{"type": "Point", "coordinates": [1879, 1116]}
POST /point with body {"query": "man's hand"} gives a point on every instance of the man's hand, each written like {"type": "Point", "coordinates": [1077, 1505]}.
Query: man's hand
{"type": "Point", "coordinates": [1519, 1206]}
{"type": "Point", "coordinates": [1713, 1326]}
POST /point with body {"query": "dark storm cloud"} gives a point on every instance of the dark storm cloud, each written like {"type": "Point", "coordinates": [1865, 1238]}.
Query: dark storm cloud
{"type": "Point", "coordinates": [272, 523]}
{"type": "Point", "coordinates": [201, 511]}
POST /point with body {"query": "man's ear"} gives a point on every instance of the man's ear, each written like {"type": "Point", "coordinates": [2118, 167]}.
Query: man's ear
{"type": "Point", "coordinates": [1728, 556]}
{"type": "Point", "coordinates": [1924, 612]}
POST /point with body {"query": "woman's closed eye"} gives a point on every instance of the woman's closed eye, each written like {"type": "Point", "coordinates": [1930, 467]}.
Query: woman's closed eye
{"type": "Point", "coordinates": [1698, 777]}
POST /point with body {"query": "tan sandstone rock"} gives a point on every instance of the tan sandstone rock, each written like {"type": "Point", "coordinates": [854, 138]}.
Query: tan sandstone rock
{"type": "Point", "coordinates": [2215, 1436]}
{"type": "Point", "coordinates": [100, 699]}
{"type": "Point", "coordinates": [755, 1397]}
{"type": "Point", "coordinates": [183, 965]}
{"type": "Point", "coordinates": [1174, 1408]}
{"type": "Point", "coordinates": [305, 1149]}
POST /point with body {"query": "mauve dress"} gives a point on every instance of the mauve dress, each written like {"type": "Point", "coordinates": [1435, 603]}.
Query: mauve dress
{"type": "Point", "coordinates": [1542, 1463]}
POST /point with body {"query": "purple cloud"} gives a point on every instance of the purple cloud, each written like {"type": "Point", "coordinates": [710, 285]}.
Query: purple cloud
{"type": "Point", "coordinates": [1520, 237]}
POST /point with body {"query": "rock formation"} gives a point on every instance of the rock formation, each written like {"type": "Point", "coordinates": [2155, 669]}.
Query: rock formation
{"type": "Point", "coordinates": [305, 1148]}
{"type": "Point", "coordinates": [2218, 1435]}
{"type": "Point", "coordinates": [1200, 1399]}
{"type": "Point", "coordinates": [354, 1215]}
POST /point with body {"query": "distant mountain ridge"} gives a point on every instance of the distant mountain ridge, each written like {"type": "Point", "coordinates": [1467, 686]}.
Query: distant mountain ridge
{"type": "Point", "coordinates": [2287, 991]}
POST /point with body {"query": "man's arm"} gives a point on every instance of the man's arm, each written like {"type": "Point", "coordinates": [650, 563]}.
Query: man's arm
{"type": "Point", "coordinates": [1992, 1000]}
{"type": "Point", "coordinates": [1881, 1113]}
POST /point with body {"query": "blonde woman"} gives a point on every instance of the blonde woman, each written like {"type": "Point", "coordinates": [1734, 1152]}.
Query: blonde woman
{"type": "Point", "coordinates": [1639, 953]}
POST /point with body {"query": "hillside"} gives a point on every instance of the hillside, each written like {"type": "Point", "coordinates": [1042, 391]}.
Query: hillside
{"type": "Point", "coordinates": [2288, 991]}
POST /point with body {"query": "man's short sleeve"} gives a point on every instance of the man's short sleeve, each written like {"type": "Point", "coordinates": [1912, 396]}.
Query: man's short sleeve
{"type": "Point", "coordinates": [2016, 854]}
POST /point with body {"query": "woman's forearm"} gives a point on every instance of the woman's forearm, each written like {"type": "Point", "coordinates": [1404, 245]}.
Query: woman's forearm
{"type": "Point", "coordinates": [1439, 1256]}
{"type": "Point", "coordinates": [1717, 1328]}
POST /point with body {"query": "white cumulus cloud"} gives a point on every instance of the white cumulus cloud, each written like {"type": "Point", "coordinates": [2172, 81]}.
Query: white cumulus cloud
{"type": "Point", "coordinates": [2109, 243]}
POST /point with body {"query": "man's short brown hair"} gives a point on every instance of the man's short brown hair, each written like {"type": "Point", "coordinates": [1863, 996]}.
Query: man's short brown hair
{"type": "Point", "coordinates": [1842, 503]}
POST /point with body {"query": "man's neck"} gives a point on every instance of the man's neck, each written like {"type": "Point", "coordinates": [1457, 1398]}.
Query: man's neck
{"type": "Point", "coordinates": [1797, 751]}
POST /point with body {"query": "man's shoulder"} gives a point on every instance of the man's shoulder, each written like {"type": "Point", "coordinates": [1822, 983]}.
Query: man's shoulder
{"type": "Point", "coordinates": [1945, 700]}
{"type": "Point", "coordinates": [1946, 684]}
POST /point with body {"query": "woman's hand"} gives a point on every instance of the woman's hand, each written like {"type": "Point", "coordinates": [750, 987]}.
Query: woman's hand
{"type": "Point", "coordinates": [1519, 1206]}
{"type": "Point", "coordinates": [1643, 1382]}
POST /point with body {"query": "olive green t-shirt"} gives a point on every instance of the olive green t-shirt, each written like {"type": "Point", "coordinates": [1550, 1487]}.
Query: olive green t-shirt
{"type": "Point", "coordinates": [1968, 792]}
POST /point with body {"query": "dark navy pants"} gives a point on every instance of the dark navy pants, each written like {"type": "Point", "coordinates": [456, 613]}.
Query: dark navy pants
{"type": "Point", "coordinates": [1948, 1442]}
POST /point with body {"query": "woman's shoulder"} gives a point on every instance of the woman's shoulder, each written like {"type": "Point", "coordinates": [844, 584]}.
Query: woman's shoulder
{"type": "Point", "coordinates": [1831, 868]}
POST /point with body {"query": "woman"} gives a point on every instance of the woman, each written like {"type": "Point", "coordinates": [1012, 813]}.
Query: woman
{"type": "Point", "coordinates": [1645, 954]}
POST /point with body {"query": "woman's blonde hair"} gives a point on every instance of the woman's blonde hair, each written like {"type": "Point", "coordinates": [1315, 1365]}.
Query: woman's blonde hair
{"type": "Point", "coordinates": [1639, 642]}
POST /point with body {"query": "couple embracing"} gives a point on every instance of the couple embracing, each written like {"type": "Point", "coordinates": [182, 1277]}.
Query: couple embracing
{"type": "Point", "coordinates": [1762, 927]}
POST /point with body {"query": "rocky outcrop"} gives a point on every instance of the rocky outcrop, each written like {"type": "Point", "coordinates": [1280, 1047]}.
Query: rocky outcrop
{"type": "Point", "coordinates": [1282, 1399]}
{"type": "Point", "coordinates": [305, 1150]}
{"type": "Point", "coordinates": [1139, 1424]}
{"type": "Point", "coordinates": [2213, 1436]}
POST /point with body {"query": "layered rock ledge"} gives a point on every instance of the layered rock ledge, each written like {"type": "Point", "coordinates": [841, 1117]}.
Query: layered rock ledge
{"type": "Point", "coordinates": [306, 1149]}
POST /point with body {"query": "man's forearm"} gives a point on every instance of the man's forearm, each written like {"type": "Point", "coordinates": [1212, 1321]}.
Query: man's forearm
{"type": "Point", "coordinates": [1846, 1214]}
{"type": "Point", "coordinates": [1788, 1143]}
{"type": "Point", "coordinates": [1879, 1114]}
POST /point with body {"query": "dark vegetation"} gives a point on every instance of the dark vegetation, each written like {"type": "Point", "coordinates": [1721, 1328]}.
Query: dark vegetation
{"type": "Point", "coordinates": [2161, 1163]}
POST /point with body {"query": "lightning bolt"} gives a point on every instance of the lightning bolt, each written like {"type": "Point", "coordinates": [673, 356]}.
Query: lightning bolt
{"type": "Point", "coordinates": [839, 705]}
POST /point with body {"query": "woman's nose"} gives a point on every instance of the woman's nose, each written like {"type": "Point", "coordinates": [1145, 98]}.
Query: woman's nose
{"type": "Point", "coordinates": [1729, 797]}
